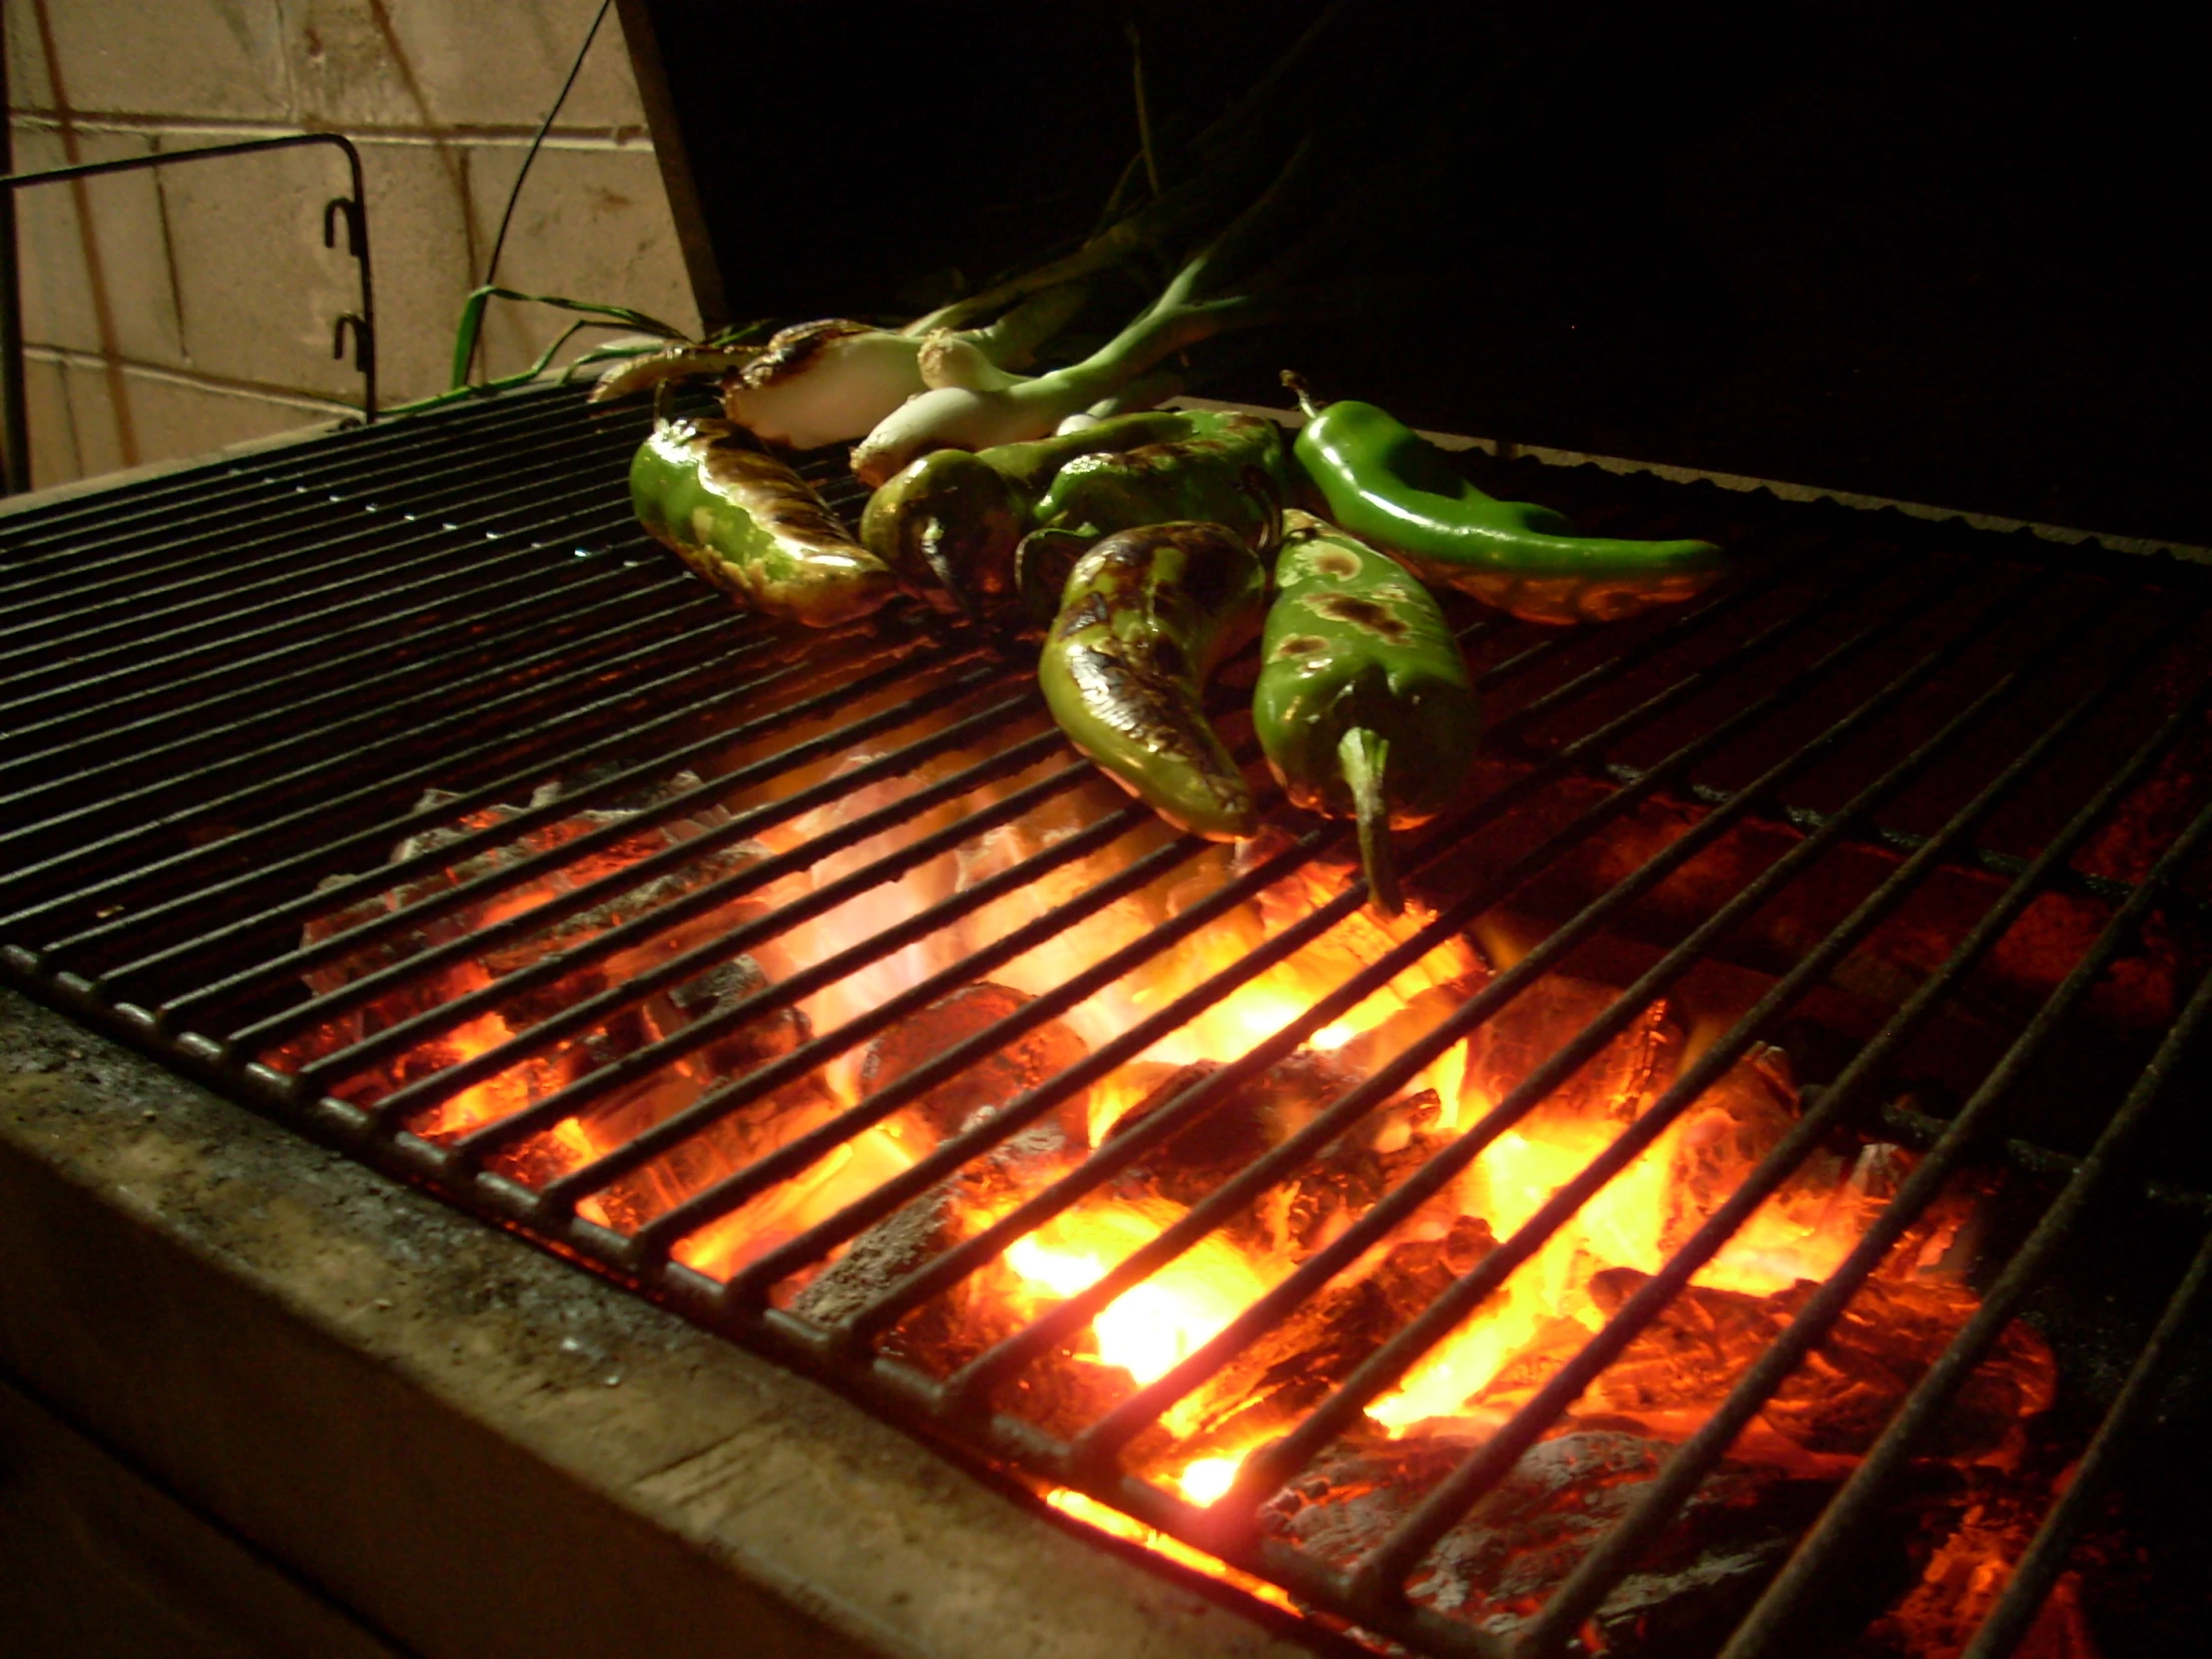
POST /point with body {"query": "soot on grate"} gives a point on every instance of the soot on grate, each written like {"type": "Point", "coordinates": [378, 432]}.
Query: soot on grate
{"type": "Point", "coordinates": [1611, 1250]}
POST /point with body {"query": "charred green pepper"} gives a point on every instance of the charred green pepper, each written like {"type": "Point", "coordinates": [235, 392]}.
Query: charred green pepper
{"type": "Point", "coordinates": [1362, 707]}
{"type": "Point", "coordinates": [954, 516]}
{"type": "Point", "coordinates": [752, 527]}
{"type": "Point", "coordinates": [1203, 476]}
{"type": "Point", "coordinates": [1147, 615]}
{"type": "Point", "coordinates": [1384, 481]}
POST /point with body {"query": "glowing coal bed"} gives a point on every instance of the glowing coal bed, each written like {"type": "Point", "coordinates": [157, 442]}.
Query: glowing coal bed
{"type": "Point", "coordinates": [706, 1034]}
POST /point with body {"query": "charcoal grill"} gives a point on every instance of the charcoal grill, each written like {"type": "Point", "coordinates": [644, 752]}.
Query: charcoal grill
{"type": "Point", "coordinates": [228, 691]}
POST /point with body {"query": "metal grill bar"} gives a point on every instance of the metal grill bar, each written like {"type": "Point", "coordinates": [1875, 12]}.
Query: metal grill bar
{"type": "Point", "coordinates": [127, 515]}
{"type": "Point", "coordinates": [586, 1090]}
{"type": "Point", "coordinates": [1214, 990]}
{"type": "Point", "coordinates": [601, 657]}
{"type": "Point", "coordinates": [1381, 1575]}
{"type": "Point", "coordinates": [523, 497]}
{"type": "Point", "coordinates": [641, 669]}
{"type": "Point", "coordinates": [1271, 1469]}
{"type": "Point", "coordinates": [1063, 1320]}
{"type": "Point", "coordinates": [211, 556]}
{"type": "Point", "coordinates": [1616, 1552]}
{"type": "Point", "coordinates": [397, 1038]}
{"type": "Point", "coordinates": [2045, 1557]}
{"type": "Point", "coordinates": [1854, 1507]}
{"type": "Point", "coordinates": [464, 845]}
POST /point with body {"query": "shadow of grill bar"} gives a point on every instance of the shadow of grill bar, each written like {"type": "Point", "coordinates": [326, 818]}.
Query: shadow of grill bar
{"type": "Point", "coordinates": [296, 731]}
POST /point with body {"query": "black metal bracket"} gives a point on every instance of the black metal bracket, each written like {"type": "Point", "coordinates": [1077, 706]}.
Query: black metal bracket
{"type": "Point", "coordinates": [352, 209]}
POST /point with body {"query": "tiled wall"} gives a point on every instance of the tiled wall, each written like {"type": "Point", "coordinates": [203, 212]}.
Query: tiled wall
{"type": "Point", "coordinates": [174, 310]}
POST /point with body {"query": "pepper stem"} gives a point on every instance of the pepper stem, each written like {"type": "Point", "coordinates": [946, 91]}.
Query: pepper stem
{"type": "Point", "coordinates": [1364, 755]}
{"type": "Point", "coordinates": [1295, 383]}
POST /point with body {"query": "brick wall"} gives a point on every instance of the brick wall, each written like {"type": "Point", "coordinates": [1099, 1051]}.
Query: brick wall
{"type": "Point", "coordinates": [174, 310]}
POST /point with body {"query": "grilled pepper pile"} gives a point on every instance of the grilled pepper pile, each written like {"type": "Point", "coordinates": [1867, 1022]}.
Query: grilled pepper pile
{"type": "Point", "coordinates": [1141, 545]}
{"type": "Point", "coordinates": [955, 517]}
{"type": "Point", "coordinates": [1364, 707]}
{"type": "Point", "coordinates": [1145, 616]}
{"type": "Point", "coordinates": [752, 527]}
{"type": "Point", "coordinates": [1384, 481]}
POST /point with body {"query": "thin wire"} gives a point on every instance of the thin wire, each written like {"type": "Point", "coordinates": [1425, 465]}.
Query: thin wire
{"type": "Point", "coordinates": [514, 195]}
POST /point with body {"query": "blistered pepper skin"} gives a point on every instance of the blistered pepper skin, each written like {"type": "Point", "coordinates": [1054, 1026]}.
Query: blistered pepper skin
{"type": "Point", "coordinates": [753, 527]}
{"type": "Point", "coordinates": [950, 521]}
{"type": "Point", "coordinates": [1384, 482]}
{"type": "Point", "coordinates": [1206, 476]}
{"type": "Point", "coordinates": [1355, 653]}
{"type": "Point", "coordinates": [1145, 616]}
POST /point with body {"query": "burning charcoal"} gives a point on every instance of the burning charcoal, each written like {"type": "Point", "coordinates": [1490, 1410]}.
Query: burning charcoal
{"type": "Point", "coordinates": [945, 1333]}
{"type": "Point", "coordinates": [1968, 1529]}
{"type": "Point", "coordinates": [1517, 1545]}
{"type": "Point", "coordinates": [1371, 1049]}
{"type": "Point", "coordinates": [425, 991]}
{"type": "Point", "coordinates": [1287, 1371]}
{"type": "Point", "coordinates": [988, 1083]}
{"type": "Point", "coordinates": [1328, 1191]}
{"type": "Point", "coordinates": [1683, 1363]}
{"type": "Point", "coordinates": [1613, 1087]}
{"type": "Point", "coordinates": [744, 1046]}
{"type": "Point", "coordinates": [1255, 1115]}
{"type": "Point", "coordinates": [1717, 1142]}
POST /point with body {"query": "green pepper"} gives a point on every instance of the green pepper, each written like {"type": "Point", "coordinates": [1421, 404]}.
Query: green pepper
{"type": "Point", "coordinates": [1362, 707]}
{"type": "Point", "coordinates": [1386, 483]}
{"type": "Point", "coordinates": [954, 516]}
{"type": "Point", "coordinates": [1203, 476]}
{"type": "Point", "coordinates": [752, 527]}
{"type": "Point", "coordinates": [1147, 615]}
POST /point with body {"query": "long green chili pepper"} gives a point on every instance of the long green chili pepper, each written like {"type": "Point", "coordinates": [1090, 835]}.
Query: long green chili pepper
{"type": "Point", "coordinates": [752, 527]}
{"type": "Point", "coordinates": [954, 516]}
{"type": "Point", "coordinates": [1147, 615]}
{"type": "Point", "coordinates": [1203, 476]}
{"type": "Point", "coordinates": [1364, 707]}
{"type": "Point", "coordinates": [1385, 482]}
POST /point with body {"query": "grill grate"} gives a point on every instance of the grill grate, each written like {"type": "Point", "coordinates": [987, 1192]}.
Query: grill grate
{"type": "Point", "coordinates": [227, 692]}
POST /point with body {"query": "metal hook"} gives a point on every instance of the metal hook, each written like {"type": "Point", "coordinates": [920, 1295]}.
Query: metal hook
{"type": "Point", "coordinates": [362, 339]}
{"type": "Point", "coordinates": [352, 211]}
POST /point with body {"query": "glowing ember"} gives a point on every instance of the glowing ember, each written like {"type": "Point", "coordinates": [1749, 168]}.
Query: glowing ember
{"type": "Point", "coordinates": [1158, 1321]}
{"type": "Point", "coordinates": [1659, 1390]}
{"type": "Point", "coordinates": [1209, 1477]}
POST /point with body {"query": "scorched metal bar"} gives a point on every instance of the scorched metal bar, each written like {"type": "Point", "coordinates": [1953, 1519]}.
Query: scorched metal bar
{"type": "Point", "coordinates": [582, 662]}
{"type": "Point", "coordinates": [260, 745]}
{"type": "Point", "coordinates": [207, 549]}
{"type": "Point", "coordinates": [1616, 1552]}
{"type": "Point", "coordinates": [396, 1040]}
{"type": "Point", "coordinates": [2045, 1557]}
{"type": "Point", "coordinates": [104, 707]}
{"type": "Point", "coordinates": [1060, 1322]}
{"type": "Point", "coordinates": [1378, 1578]}
{"type": "Point", "coordinates": [534, 493]}
{"type": "Point", "coordinates": [222, 496]}
{"type": "Point", "coordinates": [1850, 1510]}
{"type": "Point", "coordinates": [137, 747]}
{"type": "Point", "coordinates": [268, 838]}
{"type": "Point", "coordinates": [624, 743]}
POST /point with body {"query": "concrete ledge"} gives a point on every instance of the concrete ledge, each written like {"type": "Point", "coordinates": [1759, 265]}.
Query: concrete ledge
{"type": "Point", "coordinates": [473, 1447]}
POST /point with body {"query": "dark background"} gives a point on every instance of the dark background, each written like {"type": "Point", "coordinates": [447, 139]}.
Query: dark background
{"type": "Point", "coordinates": [1914, 252]}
